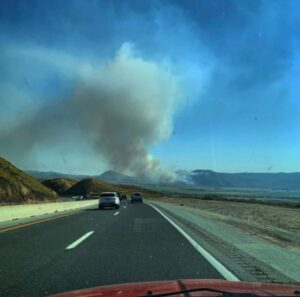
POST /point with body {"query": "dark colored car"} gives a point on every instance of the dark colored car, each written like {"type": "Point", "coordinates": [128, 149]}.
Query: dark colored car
{"type": "Point", "coordinates": [136, 198]}
{"type": "Point", "coordinates": [123, 197]}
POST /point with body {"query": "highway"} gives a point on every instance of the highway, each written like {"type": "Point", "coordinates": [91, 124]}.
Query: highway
{"type": "Point", "coordinates": [93, 248]}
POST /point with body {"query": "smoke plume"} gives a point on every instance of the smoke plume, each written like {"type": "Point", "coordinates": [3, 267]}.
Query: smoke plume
{"type": "Point", "coordinates": [121, 108]}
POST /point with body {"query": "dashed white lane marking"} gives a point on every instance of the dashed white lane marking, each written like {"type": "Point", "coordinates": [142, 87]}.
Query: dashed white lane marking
{"type": "Point", "coordinates": [124, 207]}
{"type": "Point", "coordinates": [211, 259]}
{"type": "Point", "coordinates": [78, 241]}
{"type": "Point", "coordinates": [115, 214]}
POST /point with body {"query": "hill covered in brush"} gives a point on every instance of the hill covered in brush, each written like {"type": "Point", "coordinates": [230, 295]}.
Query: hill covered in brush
{"type": "Point", "coordinates": [92, 186]}
{"type": "Point", "coordinates": [18, 187]}
{"type": "Point", "coordinates": [59, 185]}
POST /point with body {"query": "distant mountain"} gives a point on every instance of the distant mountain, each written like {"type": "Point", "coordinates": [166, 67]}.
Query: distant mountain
{"type": "Point", "coordinates": [209, 178]}
{"type": "Point", "coordinates": [109, 176]}
{"type": "Point", "coordinates": [114, 177]}
{"type": "Point", "coordinates": [18, 187]}
{"type": "Point", "coordinates": [198, 177]}
{"type": "Point", "coordinates": [59, 185]}
{"type": "Point", "coordinates": [44, 175]}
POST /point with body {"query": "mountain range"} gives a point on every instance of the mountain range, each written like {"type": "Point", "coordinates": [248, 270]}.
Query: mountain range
{"type": "Point", "coordinates": [209, 178]}
{"type": "Point", "coordinates": [198, 177]}
{"type": "Point", "coordinates": [107, 176]}
{"type": "Point", "coordinates": [43, 175]}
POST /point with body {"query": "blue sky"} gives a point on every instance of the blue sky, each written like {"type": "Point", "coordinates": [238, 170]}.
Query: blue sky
{"type": "Point", "coordinates": [236, 65]}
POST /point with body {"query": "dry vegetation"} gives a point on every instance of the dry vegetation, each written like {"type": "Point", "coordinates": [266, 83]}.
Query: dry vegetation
{"type": "Point", "coordinates": [59, 185]}
{"type": "Point", "coordinates": [278, 224]}
{"type": "Point", "coordinates": [91, 186]}
{"type": "Point", "coordinates": [18, 187]}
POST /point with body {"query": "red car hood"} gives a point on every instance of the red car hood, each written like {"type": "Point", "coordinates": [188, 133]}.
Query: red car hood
{"type": "Point", "coordinates": [160, 287]}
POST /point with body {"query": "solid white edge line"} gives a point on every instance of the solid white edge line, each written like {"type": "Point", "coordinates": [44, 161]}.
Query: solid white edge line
{"type": "Point", "coordinates": [228, 275]}
{"type": "Point", "coordinates": [116, 213]}
{"type": "Point", "coordinates": [78, 241]}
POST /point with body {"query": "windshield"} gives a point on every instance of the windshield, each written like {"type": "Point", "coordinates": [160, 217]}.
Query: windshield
{"type": "Point", "coordinates": [185, 113]}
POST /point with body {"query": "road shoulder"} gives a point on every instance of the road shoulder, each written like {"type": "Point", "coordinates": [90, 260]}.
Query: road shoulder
{"type": "Point", "coordinates": [249, 257]}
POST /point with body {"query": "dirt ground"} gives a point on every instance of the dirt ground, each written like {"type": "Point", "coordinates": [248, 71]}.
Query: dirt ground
{"type": "Point", "coordinates": [278, 224]}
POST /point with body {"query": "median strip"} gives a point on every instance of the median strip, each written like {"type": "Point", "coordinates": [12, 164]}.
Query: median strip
{"type": "Point", "coordinates": [38, 222]}
{"type": "Point", "coordinates": [80, 240]}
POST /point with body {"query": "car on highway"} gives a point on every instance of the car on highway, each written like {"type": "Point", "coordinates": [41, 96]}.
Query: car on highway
{"type": "Point", "coordinates": [136, 197]}
{"type": "Point", "coordinates": [79, 197]}
{"type": "Point", "coordinates": [109, 199]}
{"type": "Point", "coordinates": [123, 197]}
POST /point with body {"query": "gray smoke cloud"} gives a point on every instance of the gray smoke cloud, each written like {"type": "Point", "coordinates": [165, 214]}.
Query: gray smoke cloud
{"type": "Point", "coordinates": [120, 108]}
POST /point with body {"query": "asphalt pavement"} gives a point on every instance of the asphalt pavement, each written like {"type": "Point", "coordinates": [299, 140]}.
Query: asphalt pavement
{"type": "Point", "coordinates": [93, 248]}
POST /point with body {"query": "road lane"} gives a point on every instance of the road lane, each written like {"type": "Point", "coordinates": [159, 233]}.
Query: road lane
{"type": "Point", "coordinates": [138, 244]}
{"type": "Point", "coordinates": [227, 274]}
{"type": "Point", "coordinates": [79, 241]}
{"type": "Point", "coordinates": [33, 248]}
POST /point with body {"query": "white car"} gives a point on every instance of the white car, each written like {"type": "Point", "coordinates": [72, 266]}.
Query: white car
{"type": "Point", "coordinates": [109, 199]}
{"type": "Point", "coordinates": [80, 197]}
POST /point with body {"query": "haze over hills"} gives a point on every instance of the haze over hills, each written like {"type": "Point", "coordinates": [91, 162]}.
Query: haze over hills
{"type": "Point", "coordinates": [44, 175]}
{"type": "Point", "coordinates": [18, 187]}
{"type": "Point", "coordinates": [209, 178]}
{"type": "Point", "coordinates": [108, 176]}
{"type": "Point", "coordinates": [119, 178]}
{"type": "Point", "coordinates": [198, 177]}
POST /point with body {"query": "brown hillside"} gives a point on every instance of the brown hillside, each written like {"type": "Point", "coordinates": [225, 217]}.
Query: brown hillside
{"type": "Point", "coordinates": [59, 185]}
{"type": "Point", "coordinates": [91, 186]}
{"type": "Point", "coordinates": [18, 187]}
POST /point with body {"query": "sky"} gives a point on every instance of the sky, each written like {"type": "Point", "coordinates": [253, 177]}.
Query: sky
{"type": "Point", "coordinates": [150, 86]}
